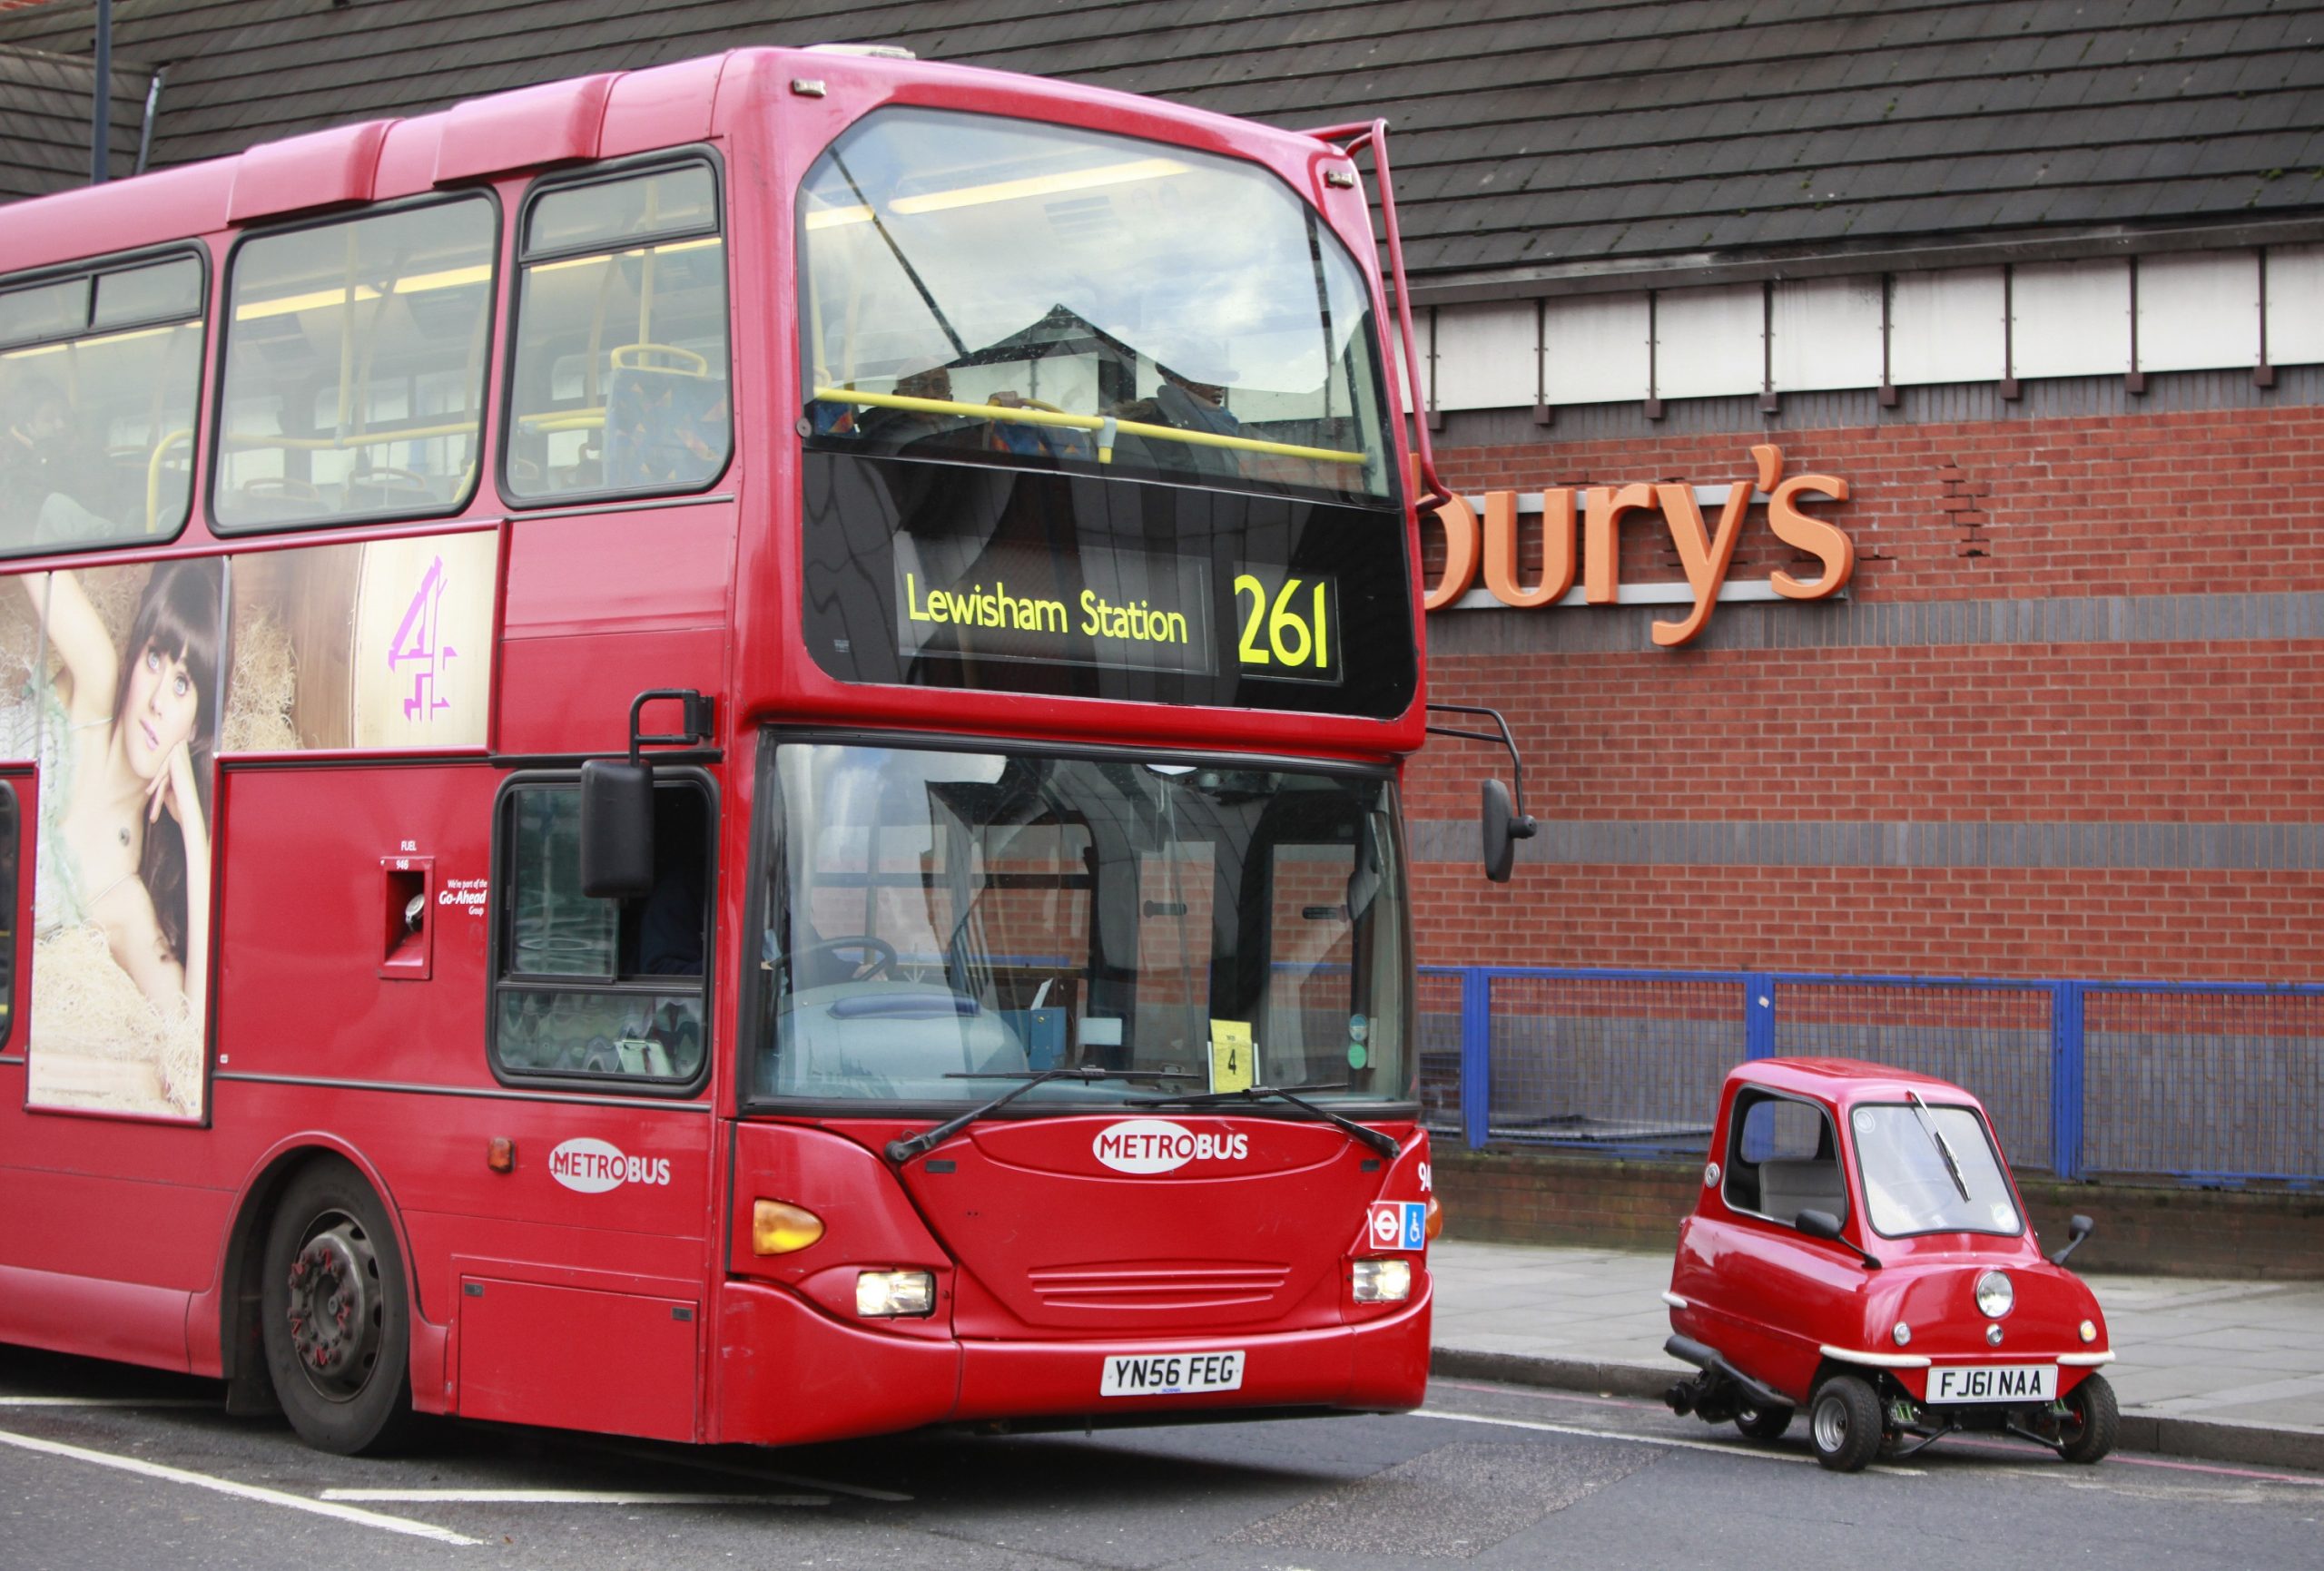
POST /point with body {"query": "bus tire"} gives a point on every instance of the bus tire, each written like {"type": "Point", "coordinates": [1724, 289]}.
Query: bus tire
{"type": "Point", "coordinates": [336, 1320]}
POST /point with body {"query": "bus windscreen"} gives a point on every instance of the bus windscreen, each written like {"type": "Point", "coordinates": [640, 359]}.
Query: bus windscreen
{"type": "Point", "coordinates": [939, 921]}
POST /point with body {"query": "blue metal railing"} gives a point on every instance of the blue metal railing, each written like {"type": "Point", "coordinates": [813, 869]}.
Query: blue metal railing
{"type": "Point", "coordinates": [2215, 1082]}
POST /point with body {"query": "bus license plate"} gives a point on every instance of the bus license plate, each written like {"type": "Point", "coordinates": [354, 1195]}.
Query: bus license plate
{"type": "Point", "coordinates": [1994, 1383]}
{"type": "Point", "coordinates": [1170, 1374]}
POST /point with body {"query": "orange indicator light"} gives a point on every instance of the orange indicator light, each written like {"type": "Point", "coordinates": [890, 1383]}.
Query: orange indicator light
{"type": "Point", "coordinates": [780, 1227]}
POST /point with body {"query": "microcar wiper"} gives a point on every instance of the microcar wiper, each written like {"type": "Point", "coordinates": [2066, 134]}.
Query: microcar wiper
{"type": "Point", "coordinates": [1385, 1144]}
{"type": "Point", "coordinates": [1920, 1111]}
{"type": "Point", "coordinates": [904, 1150]}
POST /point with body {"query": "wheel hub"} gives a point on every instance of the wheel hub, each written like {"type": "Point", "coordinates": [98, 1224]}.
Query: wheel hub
{"type": "Point", "coordinates": [1831, 1423]}
{"type": "Point", "coordinates": [332, 1305]}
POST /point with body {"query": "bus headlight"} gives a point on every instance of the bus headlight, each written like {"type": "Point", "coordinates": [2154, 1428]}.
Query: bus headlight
{"type": "Point", "coordinates": [1388, 1281]}
{"type": "Point", "coordinates": [894, 1294]}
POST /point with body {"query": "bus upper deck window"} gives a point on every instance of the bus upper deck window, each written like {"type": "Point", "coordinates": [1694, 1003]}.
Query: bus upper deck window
{"type": "Point", "coordinates": [618, 383]}
{"type": "Point", "coordinates": [98, 374]}
{"type": "Point", "coordinates": [977, 289]}
{"type": "Point", "coordinates": [355, 368]}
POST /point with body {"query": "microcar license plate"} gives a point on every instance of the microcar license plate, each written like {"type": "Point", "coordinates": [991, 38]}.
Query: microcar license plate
{"type": "Point", "coordinates": [1994, 1383]}
{"type": "Point", "coordinates": [1170, 1374]}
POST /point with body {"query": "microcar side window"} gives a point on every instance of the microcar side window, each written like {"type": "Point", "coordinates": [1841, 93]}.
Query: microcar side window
{"type": "Point", "coordinates": [1782, 1159]}
{"type": "Point", "coordinates": [1931, 1169]}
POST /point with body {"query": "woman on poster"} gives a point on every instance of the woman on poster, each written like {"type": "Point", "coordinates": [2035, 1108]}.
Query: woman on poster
{"type": "Point", "coordinates": [124, 841]}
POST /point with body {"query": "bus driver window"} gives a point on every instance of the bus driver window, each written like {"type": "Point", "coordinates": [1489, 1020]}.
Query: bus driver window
{"type": "Point", "coordinates": [592, 989]}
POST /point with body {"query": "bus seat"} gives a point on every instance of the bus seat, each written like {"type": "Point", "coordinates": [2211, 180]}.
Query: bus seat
{"type": "Point", "coordinates": [665, 419]}
{"type": "Point", "coordinates": [1788, 1188]}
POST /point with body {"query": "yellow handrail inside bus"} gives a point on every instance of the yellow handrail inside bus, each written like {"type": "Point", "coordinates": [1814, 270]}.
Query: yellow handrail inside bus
{"type": "Point", "coordinates": [640, 356]}
{"type": "Point", "coordinates": [1104, 425]}
{"type": "Point", "coordinates": [153, 477]}
{"type": "Point", "coordinates": [565, 420]}
{"type": "Point", "coordinates": [347, 443]}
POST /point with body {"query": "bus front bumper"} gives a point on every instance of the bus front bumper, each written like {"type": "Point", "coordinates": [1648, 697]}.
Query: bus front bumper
{"type": "Point", "coordinates": [788, 1374]}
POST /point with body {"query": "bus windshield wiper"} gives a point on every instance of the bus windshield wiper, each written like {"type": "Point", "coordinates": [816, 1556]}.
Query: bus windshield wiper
{"type": "Point", "coordinates": [911, 1146]}
{"type": "Point", "coordinates": [1385, 1144]}
{"type": "Point", "coordinates": [1920, 1111]}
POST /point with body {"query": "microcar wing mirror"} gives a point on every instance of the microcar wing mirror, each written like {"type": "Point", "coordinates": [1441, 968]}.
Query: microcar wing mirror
{"type": "Point", "coordinates": [1823, 1224]}
{"type": "Point", "coordinates": [2078, 1227]}
{"type": "Point", "coordinates": [1819, 1225]}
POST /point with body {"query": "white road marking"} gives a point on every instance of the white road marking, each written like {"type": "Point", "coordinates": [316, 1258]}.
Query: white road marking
{"type": "Point", "coordinates": [733, 1471]}
{"type": "Point", "coordinates": [105, 1402]}
{"type": "Point", "coordinates": [1711, 1446]}
{"type": "Point", "coordinates": [239, 1491]}
{"type": "Point", "coordinates": [572, 1497]}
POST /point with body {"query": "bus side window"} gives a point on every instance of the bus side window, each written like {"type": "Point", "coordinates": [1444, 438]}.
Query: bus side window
{"type": "Point", "coordinates": [11, 844]}
{"type": "Point", "coordinates": [589, 987]}
{"type": "Point", "coordinates": [99, 375]}
{"type": "Point", "coordinates": [355, 367]}
{"type": "Point", "coordinates": [618, 381]}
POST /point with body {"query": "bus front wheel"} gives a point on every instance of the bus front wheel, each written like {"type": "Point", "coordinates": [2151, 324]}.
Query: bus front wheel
{"type": "Point", "coordinates": [337, 1323]}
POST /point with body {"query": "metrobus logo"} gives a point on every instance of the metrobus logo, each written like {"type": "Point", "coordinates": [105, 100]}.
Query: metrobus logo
{"type": "Point", "coordinates": [1158, 1145]}
{"type": "Point", "coordinates": [594, 1166]}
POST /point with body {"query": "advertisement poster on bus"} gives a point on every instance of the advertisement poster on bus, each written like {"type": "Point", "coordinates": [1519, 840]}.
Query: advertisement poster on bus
{"type": "Point", "coordinates": [126, 684]}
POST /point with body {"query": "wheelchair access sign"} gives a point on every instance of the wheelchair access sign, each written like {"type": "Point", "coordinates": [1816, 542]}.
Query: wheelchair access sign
{"type": "Point", "coordinates": [1398, 1225]}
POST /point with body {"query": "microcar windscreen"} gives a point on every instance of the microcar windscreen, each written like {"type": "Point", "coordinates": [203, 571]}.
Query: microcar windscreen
{"type": "Point", "coordinates": [1928, 1168]}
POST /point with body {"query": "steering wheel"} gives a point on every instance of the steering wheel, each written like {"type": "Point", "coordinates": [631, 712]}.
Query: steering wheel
{"type": "Point", "coordinates": [879, 954]}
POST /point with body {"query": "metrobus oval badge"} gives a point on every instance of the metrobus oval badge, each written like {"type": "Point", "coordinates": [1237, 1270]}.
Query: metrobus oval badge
{"type": "Point", "coordinates": [592, 1166]}
{"type": "Point", "coordinates": [1158, 1145]}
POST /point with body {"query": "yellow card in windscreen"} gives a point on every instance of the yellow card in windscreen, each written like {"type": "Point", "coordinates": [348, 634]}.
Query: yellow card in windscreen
{"type": "Point", "coordinates": [1231, 1068]}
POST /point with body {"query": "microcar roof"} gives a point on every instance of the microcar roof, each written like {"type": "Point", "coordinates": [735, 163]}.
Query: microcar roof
{"type": "Point", "coordinates": [1844, 1082]}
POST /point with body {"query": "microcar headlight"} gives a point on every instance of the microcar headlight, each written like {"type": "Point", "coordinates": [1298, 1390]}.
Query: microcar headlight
{"type": "Point", "coordinates": [1384, 1280]}
{"type": "Point", "coordinates": [1904, 1334]}
{"type": "Point", "coordinates": [2089, 1330]}
{"type": "Point", "coordinates": [891, 1294]}
{"type": "Point", "coordinates": [1995, 1294]}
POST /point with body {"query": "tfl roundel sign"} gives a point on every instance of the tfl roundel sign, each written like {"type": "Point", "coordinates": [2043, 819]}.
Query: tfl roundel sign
{"type": "Point", "coordinates": [1158, 1145]}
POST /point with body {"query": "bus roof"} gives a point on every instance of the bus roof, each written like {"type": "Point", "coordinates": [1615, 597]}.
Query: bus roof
{"type": "Point", "coordinates": [582, 119]}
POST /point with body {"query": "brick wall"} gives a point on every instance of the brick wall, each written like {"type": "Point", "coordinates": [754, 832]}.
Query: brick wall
{"type": "Point", "coordinates": [1973, 730]}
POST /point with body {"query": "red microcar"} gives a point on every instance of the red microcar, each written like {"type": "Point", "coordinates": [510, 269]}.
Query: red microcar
{"type": "Point", "coordinates": [1860, 1249]}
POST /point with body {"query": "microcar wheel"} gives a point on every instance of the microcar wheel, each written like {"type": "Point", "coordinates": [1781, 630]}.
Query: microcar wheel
{"type": "Point", "coordinates": [1763, 1423]}
{"type": "Point", "coordinates": [336, 1328]}
{"type": "Point", "coordinates": [1844, 1423]}
{"type": "Point", "coordinates": [2092, 1418]}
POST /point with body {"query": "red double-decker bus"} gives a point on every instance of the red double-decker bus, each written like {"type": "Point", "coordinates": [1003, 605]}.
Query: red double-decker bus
{"type": "Point", "coordinates": [712, 754]}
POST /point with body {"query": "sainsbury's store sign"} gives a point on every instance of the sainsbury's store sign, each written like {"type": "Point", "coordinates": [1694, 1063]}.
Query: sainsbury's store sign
{"type": "Point", "coordinates": [1488, 546]}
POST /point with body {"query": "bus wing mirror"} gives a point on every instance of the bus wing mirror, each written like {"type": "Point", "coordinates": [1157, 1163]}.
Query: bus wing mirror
{"type": "Point", "coordinates": [1505, 820]}
{"type": "Point", "coordinates": [616, 828]}
{"type": "Point", "coordinates": [1503, 827]}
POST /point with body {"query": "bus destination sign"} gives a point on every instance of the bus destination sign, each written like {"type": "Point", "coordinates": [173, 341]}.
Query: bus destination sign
{"type": "Point", "coordinates": [1121, 610]}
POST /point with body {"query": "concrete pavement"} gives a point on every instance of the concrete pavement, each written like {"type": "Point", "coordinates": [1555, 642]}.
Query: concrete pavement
{"type": "Point", "coordinates": [2228, 1371]}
